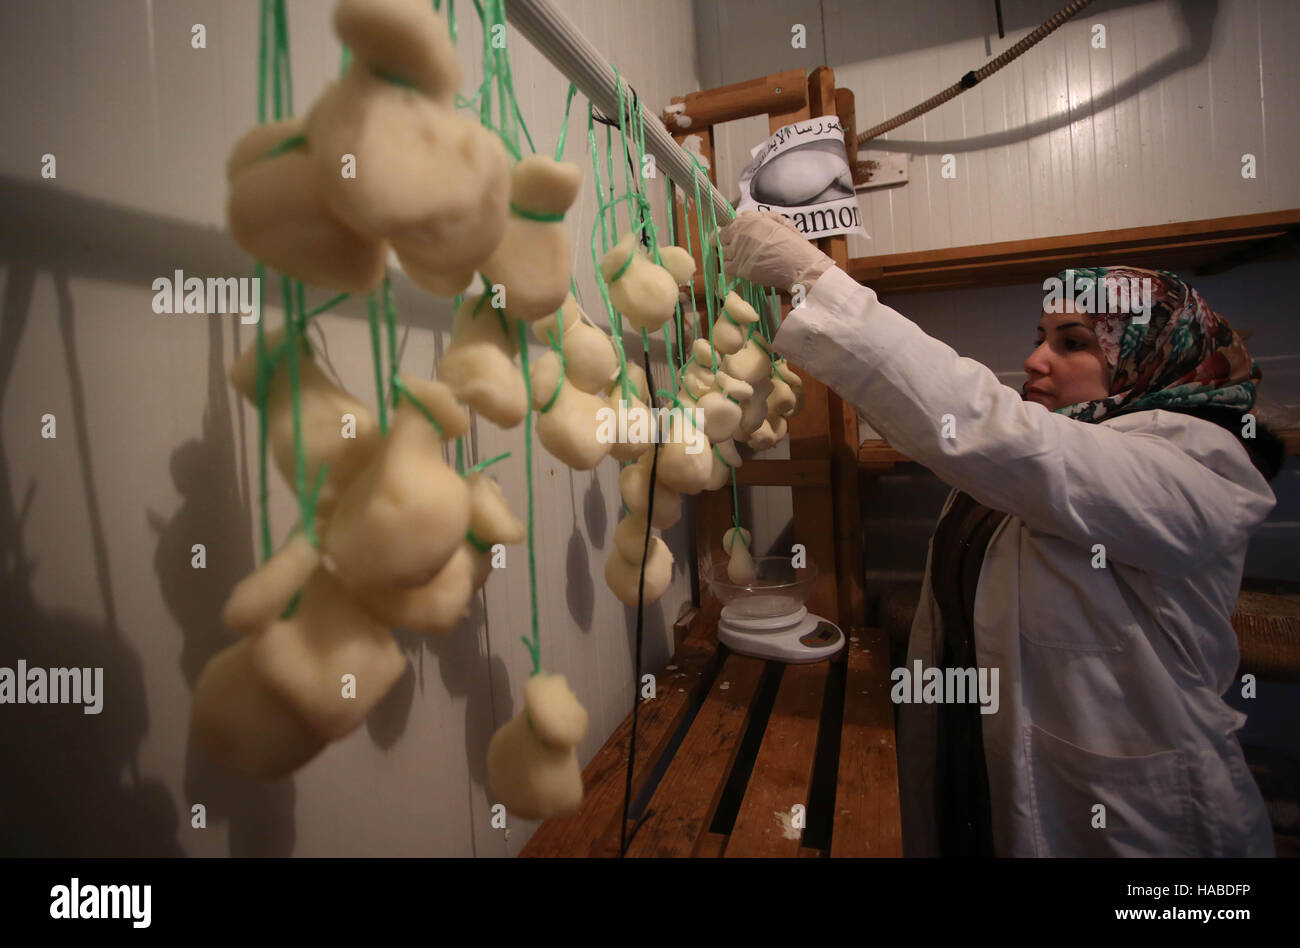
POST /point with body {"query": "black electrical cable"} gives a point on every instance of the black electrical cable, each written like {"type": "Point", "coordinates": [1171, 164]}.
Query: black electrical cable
{"type": "Point", "coordinates": [640, 617]}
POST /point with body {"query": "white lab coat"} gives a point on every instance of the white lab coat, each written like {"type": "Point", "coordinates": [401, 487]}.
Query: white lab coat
{"type": "Point", "coordinates": [1109, 678]}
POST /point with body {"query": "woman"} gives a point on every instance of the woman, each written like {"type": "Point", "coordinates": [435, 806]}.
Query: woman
{"type": "Point", "coordinates": [1092, 553]}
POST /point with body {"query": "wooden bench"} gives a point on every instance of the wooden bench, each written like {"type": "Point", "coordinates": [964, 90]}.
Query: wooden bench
{"type": "Point", "coordinates": [730, 745]}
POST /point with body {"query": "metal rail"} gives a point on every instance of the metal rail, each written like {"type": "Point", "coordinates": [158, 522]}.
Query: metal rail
{"type": "Point", "coordinates": [555, 37]}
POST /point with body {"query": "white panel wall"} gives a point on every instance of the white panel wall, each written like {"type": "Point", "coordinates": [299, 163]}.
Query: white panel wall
{"type": "Point", "coordinates": [154, 453]}
{"type": "Point", "coordinates": [1066, 139]}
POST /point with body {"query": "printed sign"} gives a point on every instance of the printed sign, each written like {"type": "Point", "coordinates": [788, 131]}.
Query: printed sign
{"type": "Point", "coordinates": [802, 171]}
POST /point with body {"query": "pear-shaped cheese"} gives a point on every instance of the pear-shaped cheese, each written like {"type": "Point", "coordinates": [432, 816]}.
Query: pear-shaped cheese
{"type": "Point", "coordinates": [533, 261]}
{"type": "Point", "coordinates": [635, 439]}
{"type": "Point", "coordinates": [570, 428]}
{"type": "Point", "coordinates": [304, 659]}
{"type": "Point", "coordinates": [242, 724]}
{"type": "Point", "coordinates": [404, 515]}
{"type": "Point", "coordinates": [279, 215]}
{"type": "Point", "coordinates": [724, 451]}
{"type": "Point", "coordinates": [727, 337]}
{"type": "Point", "coordinates": [685, 460]}
{"type": "Point", "coordinates": [324, 411]}
{"type": "Point", "coordinates": [479, 365]}
{"type": "Point", "coordinates": [623, 578]}
{"type": "Point", "coordinates": [589, 358]}
{"type": "Point", "coordinates": [679, 262]}
{"type": "Point", "coordinates": [634, 486]}
{"type": "Point", "coordinates": [643, 292]}
{"type": "Point", "coordinates": [738, 309]}
{"type": "Point", "coordinates": [260, 597]}
{"type": "Point", "coordinates": [404, 40]}
{"type": "Point", "coordinates": [432, 181]}
{"type": "Point", "coordinates": [721, 415]}
{"type": "Point", "coordinates": [749, 364]}
{"type": "Point", "coordinates": [534, 780]}
{"type": "Point", "coordinates": [630, 537]}
{"type": "Point", "coordinates": [433, 608]}
{"type": "Point", "coordinates": [553, 710]}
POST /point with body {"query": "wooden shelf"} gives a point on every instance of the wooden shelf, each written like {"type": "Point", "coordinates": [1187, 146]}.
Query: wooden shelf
{"type": "Point", "coordinates": [875, 455]}
{"type": "Point", "coordinates": [1194, 247]}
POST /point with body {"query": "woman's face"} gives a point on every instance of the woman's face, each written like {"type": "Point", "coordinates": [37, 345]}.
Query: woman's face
{"type": "Point", "coordinates": [1066, 364]}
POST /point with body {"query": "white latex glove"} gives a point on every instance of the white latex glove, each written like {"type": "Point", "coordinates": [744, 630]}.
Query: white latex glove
{"type": "Point", "coordinates": [766, 248]}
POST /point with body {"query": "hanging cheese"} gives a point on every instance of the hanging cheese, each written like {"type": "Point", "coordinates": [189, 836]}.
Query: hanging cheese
{"type": "Point", "coordinates": [643, 292]}
{"type": "Point", "coordinates": [241, 724]}
{"type": "Point", "coordinates": [624, 578]}
{"type": "Point", "coordinates": [679, 262]}
{"type": "Point", "coordinates": [307, 658]}
{"type": "Point", "coordinates": [479, 365]}
{"type": "Point", "coordinates": [393, 163]}
{"type": "Point", "coordinates": [570, 428]}
{"type": "Point", "coordinates": [277, 213]}
{"type": "Point", "coordinates": [740, 566]}
{"type": "Point", "coordinates": [403, 39]}
{"type": "Point", "coordinates": [723, 451]}
{"type": "Point", "coordinates": [634, 487]}
{"type": "Point", "coordinates": [324, 411]}
{"type": "Point", "coordinates": [403, 516]}
{"type": "Point", "coordinates": [532, 760]}
{"type": "Point", "coordinates": [533, 261]}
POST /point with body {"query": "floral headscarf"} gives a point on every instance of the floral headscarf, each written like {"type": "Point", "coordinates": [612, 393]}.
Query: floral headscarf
{"type": "Point", "coordinates": [1184, 356]}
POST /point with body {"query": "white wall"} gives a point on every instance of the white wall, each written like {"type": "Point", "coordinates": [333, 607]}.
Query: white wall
{"type": "Point", "coordinates": [154, 453]}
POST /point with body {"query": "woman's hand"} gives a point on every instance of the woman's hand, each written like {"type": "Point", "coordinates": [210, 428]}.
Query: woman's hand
{"type": "Point", "coordinates": [766, 248]}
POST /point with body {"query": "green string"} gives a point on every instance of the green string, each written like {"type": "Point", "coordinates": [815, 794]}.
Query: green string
{"type": "Point", "coordinates": [373, 311]}
{"type": "Point", "coordinates": [399, 385]}
{"type": "Point", "coordinates": [534, 215]}
{"type": "Point", "coordinates": [481, 465]}
{"type": "Point", "coordinates": [534, 646]}
{"type": "Point", "coordinates": [564, 128]}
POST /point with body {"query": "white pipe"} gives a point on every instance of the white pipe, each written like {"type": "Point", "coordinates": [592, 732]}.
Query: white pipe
{"type": "Point", "coordinates": [559, 41]}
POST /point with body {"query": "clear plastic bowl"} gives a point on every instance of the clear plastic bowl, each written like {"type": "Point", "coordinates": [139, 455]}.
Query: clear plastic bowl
{"type": "Point", "coordinates": [778, 590]}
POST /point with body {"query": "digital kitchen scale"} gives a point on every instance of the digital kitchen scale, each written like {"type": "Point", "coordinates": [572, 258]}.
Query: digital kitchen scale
{"type": "Point", "coordinates": [768, 619]}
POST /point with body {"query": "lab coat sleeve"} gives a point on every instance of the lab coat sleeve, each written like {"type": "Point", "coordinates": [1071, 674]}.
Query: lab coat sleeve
{"type": "Point", "coordinates": [1148, 501]}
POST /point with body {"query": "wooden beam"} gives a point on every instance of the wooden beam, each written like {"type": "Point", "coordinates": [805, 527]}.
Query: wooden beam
{"type": "Point", "coordinates": [777, 472]}
{"type": "Point", "coordinates": [778, 92]}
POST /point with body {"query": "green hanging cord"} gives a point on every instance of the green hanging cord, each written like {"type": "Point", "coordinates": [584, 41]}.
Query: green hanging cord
{"type": "Point", "coordinates": [327, 305]}
{"type": "Point", "coordinates": [481, 465]}
{"type": "Point", "coordinates": [686, 229]}
{"type": "Point", "coordinates": [451, 20]}
{"type": "Point", "coordinates": [706, 253]}
{"type": "Point", "coordinates": [262, 384]}
{"type": "Point", "coordinates": [671, 196]}
{"type": "Point", "coordinates": [564, 129]}
{"type": "Point", "coordinates": [282, 71]}
{"type": "Point", "coordinates": [534, 647]}
{"type": "Point", "coordinates": [595, 172]}
{"type": "Point", "coordinates": [373, 311]}
{"type": "Point", "coordinates": [460, 455]}
{"type": "Point", "coordinates": [423, 409]}
{"type": "Point", "coordinates": [262, 64]}
{"type": "Point", "coordinates": [345, 60]}
{"type": "Point", "coordinates": [390, 326]}
{"type": "Point", "coordinates": [299, 456]}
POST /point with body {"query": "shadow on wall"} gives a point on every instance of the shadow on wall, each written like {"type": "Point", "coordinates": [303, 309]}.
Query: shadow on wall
{"type": "Point", "coordinates": [213, 513]}
{"type": "Point", "coordinates": [71, 782]}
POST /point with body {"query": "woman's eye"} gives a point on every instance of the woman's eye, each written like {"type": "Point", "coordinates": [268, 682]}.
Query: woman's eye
{"type": "Point", "coordinates": [1036, 343]}
{"type": "Point", "coordinates": [1075, 344]}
